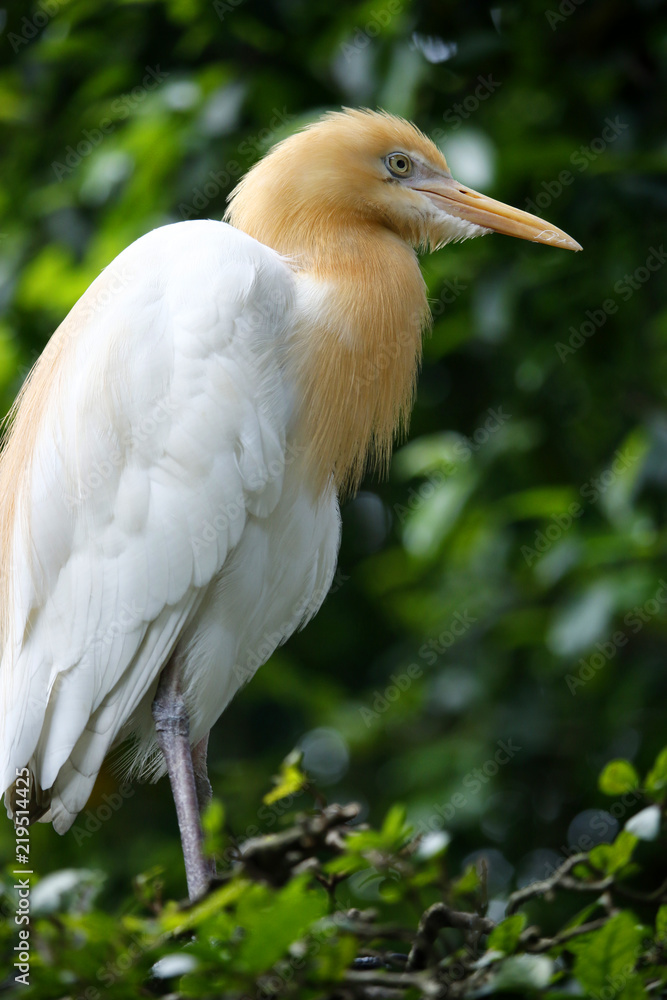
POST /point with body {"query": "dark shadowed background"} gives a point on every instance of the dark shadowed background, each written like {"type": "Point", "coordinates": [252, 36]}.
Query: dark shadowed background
{"type": "Point", "coordinates": [497, 630]}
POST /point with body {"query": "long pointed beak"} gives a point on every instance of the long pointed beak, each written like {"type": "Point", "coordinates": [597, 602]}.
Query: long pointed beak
{"type": "Point", "coordinates": [456, 199]}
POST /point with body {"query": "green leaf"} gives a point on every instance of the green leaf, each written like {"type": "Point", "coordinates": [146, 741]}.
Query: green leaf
{"type": "Point", "coordinates": [505, 937]}
{"type": "Point", "coordinates": [213, 821]}
{"type": "Point", "coordinates": [618, 777]}
{"type": "Point", "coordinates": [388, 841]}
{"type": "Point", "coordinates": [582, 916]}
{"type": "Point", "coordinates": [606, 959]}
{"type": "Point", "coordinates": [272, 921]}
{"type": "Point", "coordinates": [661, 924]}
{"type": "Point", "coordinates": [523, 972]}
{"type": "Point", "coordinates": [395, 830]}
{"type": "Point", "coordinates": [335, 958]}
{"type": "Point", "coordinates": [213, 817]}
{"type": "Point", "coordinates": [468, 883]}
{"type": "Point", "coordinates": [290, 781]}
{"type": "Point", "coordinates": [611, 858]}
{"type": "Point", "coordinates": [633, 989]}
{"type": "Point", "coordinates": [347, 863]}
{"type": "Point", "coordinates": [177, 921]}
{"type": "Point", "coordinates": [656, 779]}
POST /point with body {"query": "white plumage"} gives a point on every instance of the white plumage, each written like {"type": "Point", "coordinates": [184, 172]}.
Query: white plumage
{"type": "Point", "coordinates": [166, 506]}
{"type": "Point", "coordinates": [168, 490]}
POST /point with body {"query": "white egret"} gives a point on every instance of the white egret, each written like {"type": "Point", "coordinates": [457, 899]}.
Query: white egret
{"type": "Point", "coordinates": [170, 480]}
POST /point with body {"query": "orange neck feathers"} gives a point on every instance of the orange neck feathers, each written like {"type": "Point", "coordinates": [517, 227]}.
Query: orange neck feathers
{"type": "Point", "coordinates": [357, 359]}
{"type": "Point", "coordinates": [361, 308]}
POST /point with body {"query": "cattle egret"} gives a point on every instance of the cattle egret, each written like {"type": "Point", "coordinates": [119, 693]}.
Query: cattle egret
{"type": "Point", "coordinates": [169, 485]}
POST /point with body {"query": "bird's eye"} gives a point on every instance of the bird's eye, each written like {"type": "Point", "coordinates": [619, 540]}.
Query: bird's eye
{"type": "Point", "coordinates": [399, 164]}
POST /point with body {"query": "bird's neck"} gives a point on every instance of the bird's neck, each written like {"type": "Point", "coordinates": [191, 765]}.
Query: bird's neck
{"type": "Point", "coordinates": [356, 351]}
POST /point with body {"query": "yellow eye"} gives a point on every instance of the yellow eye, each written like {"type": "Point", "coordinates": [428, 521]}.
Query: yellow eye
{"type": "Point", "coordinates": [399, 164]}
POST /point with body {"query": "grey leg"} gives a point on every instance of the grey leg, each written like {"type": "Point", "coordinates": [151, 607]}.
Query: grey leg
{"type": "Point", "coordinates": [203, 785]}
{"type": "Point", "coordinates": [173, 730]}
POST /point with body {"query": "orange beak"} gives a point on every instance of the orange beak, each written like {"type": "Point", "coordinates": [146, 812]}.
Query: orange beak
{"type": "Point", "coordinates": [456, 199]}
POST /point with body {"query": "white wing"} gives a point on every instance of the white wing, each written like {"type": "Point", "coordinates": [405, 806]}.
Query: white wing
{"type": "Point", "coordinates": [164, 413]}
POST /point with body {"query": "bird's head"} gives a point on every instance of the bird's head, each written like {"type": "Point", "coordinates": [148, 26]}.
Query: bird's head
{"type": "Point", "coordinates": [369, 169]}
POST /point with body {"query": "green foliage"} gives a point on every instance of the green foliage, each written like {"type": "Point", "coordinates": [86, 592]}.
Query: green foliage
{"type": "Point", "coordinates": [290, 781]}
{"type": "Point", "coordinates": [656, 779]}
{"type": "Point", "coordinates": [661, 924]}
{"type": "Point", "coordinates": [496, 632]}
{"type": "Point", "coordinates": [612, 858]}
{"type": "Point", "coordinates": [285, 920]}
{"type": "Point", "coordinates": [607, 958]}
{"type": "Point", "coordinates": [618, 777]}
{"type": "Point", "coordinates": [506, 935]}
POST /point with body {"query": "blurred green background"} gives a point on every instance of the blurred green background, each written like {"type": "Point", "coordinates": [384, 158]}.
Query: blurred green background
{"type": "Point", "coordinates": [498, 625]}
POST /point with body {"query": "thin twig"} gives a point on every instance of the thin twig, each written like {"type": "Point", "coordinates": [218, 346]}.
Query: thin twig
{"type": "Point", "coordinates": [546, 885]}
{"type": "Point", "coordinates": [274, 857]}
{"type": "Point", "coordinates": [545, 944]}
{"type": "Point", "coordinates": [644, 897]}
{"type": "Point", "coordinates": [433, 920]}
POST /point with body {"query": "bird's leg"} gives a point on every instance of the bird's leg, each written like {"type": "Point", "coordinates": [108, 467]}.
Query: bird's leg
{"type": "Point", "coordinates": [202, 784]}
{"type": "Point", "coordinates": [173, 735]}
